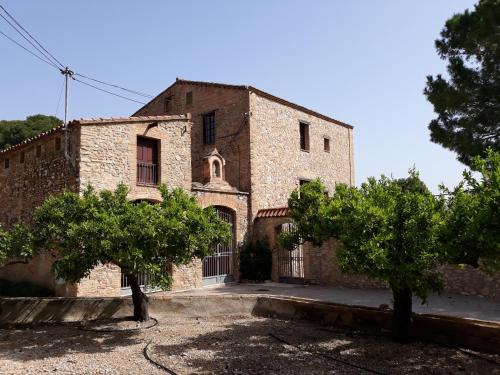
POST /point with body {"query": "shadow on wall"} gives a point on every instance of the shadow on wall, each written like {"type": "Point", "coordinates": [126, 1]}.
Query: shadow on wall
{"type": "Point", "coordinates": [52, 310]}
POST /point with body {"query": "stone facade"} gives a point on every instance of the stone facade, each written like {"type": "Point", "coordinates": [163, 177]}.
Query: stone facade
{"type": "Point", "coordinates": [251, 164]}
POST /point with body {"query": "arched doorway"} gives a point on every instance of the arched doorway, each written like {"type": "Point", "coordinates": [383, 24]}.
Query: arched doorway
{"type": "Point", "coordinates": [218, 268]}
{"type": "Point", "coordinates": [290, 262]}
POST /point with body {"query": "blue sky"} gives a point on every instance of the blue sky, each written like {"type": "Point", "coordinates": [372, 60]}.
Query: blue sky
{"type": "Point", "coordinates": [362, 62]}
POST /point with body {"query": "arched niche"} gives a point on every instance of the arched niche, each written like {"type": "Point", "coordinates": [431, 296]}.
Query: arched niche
{"type": "Point", "coordinates": [213, 167]}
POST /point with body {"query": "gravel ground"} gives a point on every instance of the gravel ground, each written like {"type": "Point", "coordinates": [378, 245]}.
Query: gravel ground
{"type": "Point", "coordinates": [226, 345]}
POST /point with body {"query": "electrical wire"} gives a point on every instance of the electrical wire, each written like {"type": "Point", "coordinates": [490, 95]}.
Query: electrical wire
{"type": "Point", "coordinates": [51, 60]}
{"type": "Point", "coordinates": [31, 36]}
{"type": "Point", "coordinates": [109, 92]}
{"type": "Point", "coordinates": [116, 86]}
{"type": "Point", "coordinates": [27, 50]}
{"type": "Point", "coordinates": [29, 41]}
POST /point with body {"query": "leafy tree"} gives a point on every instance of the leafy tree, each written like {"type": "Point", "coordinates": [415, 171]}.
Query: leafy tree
{"type": "Point", "coordinates": [472, 231]}
{"type": "Point", "coordinates": [15, 244]}
{"type": "Point", "coordinates": [16, 131]}
{"type": "Point", "coordinates": [106, 227]}
{"type": "Point", "coordinates": [388, 230]}
{"type": "Point", "coordinates": [468, 103]}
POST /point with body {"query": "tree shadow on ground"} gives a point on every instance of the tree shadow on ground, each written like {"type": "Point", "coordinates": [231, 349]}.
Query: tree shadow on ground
{"type": "Point", "coordinates": [57, 340]}
{"type": "Point", "coordinates": [258, 346]}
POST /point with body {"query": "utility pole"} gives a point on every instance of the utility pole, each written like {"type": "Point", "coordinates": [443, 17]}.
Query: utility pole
{"type": "Point", "coordinates": [67, 74]}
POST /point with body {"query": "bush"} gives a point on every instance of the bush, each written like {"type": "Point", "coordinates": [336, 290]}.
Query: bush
{"type": "Point", "coordinates": [256, 262]}
{"type": "Point", "coordinates": [23, 289]}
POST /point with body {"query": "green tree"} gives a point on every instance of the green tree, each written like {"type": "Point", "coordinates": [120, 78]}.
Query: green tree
{"type": "Point", "coordinates": [16, 245]}
{"type": "Point", "coordinates": [468, 103]}
{"type": "Point", "coordinates": [106, 227]}
{"type": "Point", "coordinates": [16, 131]}
{"type": "Point", "coordinates": [388, 230]}
{"type": "Point", "coordinates": [472, 231]}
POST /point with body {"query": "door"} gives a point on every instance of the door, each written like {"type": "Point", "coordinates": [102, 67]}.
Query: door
{"type": "Point", "coordinates": [218, 268]}
{"type": "Point", "coordinates": [290, 262]}
{"type": "Point", "coordinates": [147, 161]}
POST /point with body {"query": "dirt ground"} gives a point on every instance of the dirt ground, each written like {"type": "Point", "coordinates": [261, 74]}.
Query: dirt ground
{"type": "Point", "coordinates": [227, 345]}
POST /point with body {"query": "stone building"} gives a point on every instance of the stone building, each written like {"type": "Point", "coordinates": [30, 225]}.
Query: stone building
{"type": "Point", "coordinates": [237, 148]}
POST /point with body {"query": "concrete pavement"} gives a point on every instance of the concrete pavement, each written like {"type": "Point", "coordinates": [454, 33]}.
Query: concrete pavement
{"type": "Point", "coordinates": [445, 304]}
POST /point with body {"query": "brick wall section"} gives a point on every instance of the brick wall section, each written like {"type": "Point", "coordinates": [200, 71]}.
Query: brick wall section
{"type": "Point", "coordinates": [277, 161]}
{"type": "Point", "coordinates": [232, 131]}
{"type": "Point", "coordinates": [24, 186]}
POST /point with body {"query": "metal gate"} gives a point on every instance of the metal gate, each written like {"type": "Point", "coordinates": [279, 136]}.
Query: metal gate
{"type": "Point", "coordinates": [218, 268]}
{"type": "Point", "coordinates": [290, 262]}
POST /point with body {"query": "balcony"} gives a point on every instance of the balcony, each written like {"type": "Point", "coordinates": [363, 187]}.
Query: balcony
{"type": "Point", "coordinates": [147, 174]}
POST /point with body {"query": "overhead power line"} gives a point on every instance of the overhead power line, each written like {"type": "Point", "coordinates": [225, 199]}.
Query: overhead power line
{"type": "Point", "coordinates": [109, 92]}
{"type": "Point", "coordinates": [116, 86]}
{"type": "Point", "coordinates": [31, 36]}
{"type": "Point", "coordinates": [44, 55]}
{"type": "Point", "coordinates": [27, 50]}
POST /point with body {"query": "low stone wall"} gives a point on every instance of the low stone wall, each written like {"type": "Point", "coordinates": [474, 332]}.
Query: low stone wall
{"type": "Point", "coordinates": [469, 333]}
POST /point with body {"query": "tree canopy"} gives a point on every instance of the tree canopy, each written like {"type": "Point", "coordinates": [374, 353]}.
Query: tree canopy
{"type": "Point", "coordinates": [139, 237]}
{"type": "Point", "coordinates": [388, 230]}
{"type": "Point", "coordinates": [16, 131]}
{"type": "Point", "coordinates": [15, 243]}
{"type": "Point", "coordinates": [471, 234]}
{"type": "Point", "coordinates": [467, 103]}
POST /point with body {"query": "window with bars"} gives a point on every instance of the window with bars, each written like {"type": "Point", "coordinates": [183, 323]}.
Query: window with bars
{"type": "Point", "coordinates": [209, 128]}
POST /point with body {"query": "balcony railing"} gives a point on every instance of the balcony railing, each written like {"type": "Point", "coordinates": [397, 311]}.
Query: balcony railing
{"type": "Point", "coordinates": [147, 174]}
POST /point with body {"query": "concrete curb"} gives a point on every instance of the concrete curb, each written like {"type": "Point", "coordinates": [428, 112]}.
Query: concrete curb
{"type": "Point", "coordinates": [445, 330]}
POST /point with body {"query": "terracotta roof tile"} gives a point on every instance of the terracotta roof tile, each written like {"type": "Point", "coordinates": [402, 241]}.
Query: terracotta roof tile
{"type": "Point", "coordinates": [100, 120]}
{"type": "Point", "coordinates": [273, 212]}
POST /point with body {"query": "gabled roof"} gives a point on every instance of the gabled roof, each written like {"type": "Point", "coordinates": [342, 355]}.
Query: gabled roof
{"type": "Point", "coordinates": [95, 121]}
{"type": "Point", "coordinates": [255, 90]}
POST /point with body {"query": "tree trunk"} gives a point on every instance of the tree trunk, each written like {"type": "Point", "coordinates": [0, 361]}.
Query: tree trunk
{"type": "Point", "coordinates": [402, 314]}
{"type": "Point", "coordinates": [140, 300]}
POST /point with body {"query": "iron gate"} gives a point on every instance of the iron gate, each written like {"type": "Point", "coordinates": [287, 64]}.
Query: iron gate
{"type": "Point", "coordinates": [290, 262]}
{"type": "Point", "coordinates": [218, 268]}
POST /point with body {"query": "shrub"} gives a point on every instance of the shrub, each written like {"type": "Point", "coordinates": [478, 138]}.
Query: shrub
{"type": "Point", "coordinates": [256, 261]}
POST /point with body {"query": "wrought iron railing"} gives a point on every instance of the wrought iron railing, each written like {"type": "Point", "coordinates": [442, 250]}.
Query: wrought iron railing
{"type": "Point", "coordinates": [147, 173]}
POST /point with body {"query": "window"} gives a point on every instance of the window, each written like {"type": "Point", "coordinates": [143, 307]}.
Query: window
{"type": "Point", "coordinates": [209, 128]}
{"type": "Point", "coordinates": [189, 98]}
{"type": "Point", "coordinates": [6, 163]}
{"type": "Point", "coordinates": [168, 103]}
{"type": "Point", "coordinates": [58, 144]}
{"type": "Point", "coordinates": [21, 157]}
{"type": "Point", "coordinates": [147, 161]}
{"type": "Point", "coordinates": [326, 144]}
{"type": "Point", "coordinates": [304, 136]}
{"type": "Point", "coordinates": [38, 151]}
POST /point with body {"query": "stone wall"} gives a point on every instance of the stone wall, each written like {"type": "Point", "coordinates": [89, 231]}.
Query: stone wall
{"type": "Point", "coordinates": [232, 131]}
{"type": "Point", "coordinates": [470, 281]}
{"type": "Point", "coordinates": [238, 203]}
{"type": "Point", "coordinates": [109, 154]}
{"type": "Point", "coordinates": [36, 170]}
{"type": "Point", "coordinates": [277, 161]}
{"type": "Point", "coordinates": [103, 281]}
